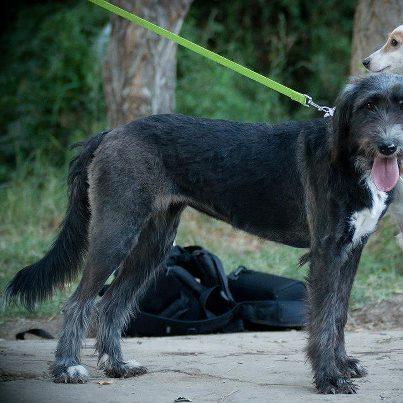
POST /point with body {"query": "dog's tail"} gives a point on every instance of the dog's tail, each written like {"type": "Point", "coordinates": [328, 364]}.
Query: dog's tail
{"type": "Point", "coordinates": [61, 264]}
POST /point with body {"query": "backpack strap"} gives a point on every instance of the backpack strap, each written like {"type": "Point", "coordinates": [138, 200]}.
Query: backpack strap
{"type": "Point", "coordinates": [43, 334]}
{"type": "Point", "coordinates": [209, 292]}
{"type": "Point", "coordinates": [212, 267]}
{"type": "Point", "coordinates": [186, 278]}
{"type": "Point", "coordinates": [147, 324]}
{"type": "Point", "coordinates": [177, 308]}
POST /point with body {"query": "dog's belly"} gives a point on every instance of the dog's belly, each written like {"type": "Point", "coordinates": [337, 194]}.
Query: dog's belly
{"type": "Point", "coordinates": [296, 236]}
{"type": "Point", "coordinates": [287, 226]}
{"type": "Point", "coordinates": [289, 236]}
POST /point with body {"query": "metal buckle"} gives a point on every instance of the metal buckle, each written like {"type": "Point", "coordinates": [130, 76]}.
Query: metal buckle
{"type": "Point", "coordinates": [328, 111]}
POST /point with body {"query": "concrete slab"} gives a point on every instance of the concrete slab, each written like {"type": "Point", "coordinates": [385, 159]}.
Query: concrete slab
{"type": "Point", "coordinates": [243, 367]}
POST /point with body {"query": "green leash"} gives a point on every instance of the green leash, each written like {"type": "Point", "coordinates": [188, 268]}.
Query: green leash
{"type": "Point", "coordinates": [303, 99]}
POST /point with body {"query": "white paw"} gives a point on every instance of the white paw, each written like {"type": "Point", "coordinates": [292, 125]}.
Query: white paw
{"type": "Point", "coordinates": [133, 364]}
{"type": "Point", "coordinates": [72, 374]}
{"type": "Point", "coordinates": [77, 371]}
{"type": "Point", "coordinates": [105, 362]}
{"type": "Point", "coordinates": [123, 369]}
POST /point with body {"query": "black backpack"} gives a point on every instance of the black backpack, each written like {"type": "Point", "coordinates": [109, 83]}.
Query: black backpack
{"type": "Point", "coordinates": [192, 295]}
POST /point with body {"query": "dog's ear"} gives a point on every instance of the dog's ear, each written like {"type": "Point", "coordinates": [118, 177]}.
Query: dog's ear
{"type": "Point", "coordinates": [341, 120]}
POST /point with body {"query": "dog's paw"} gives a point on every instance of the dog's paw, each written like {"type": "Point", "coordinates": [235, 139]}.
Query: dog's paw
{"type": "Point", "coordinates": [354, 368]}
{"type": "Point", "coordinates": [69, 374]}
{"type": "Point", "coordinates": [124, 369]}
{"type": "Point", "coordinates": [336, 385]}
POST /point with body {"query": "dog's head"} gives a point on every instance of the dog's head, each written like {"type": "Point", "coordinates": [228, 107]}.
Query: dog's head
{"type": "Point", "coordinates": [368, 128]}
{"type": "Point", "coordinates": [389, 58]}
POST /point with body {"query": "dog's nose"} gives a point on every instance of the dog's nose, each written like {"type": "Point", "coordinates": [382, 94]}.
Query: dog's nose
{"type": "Point", "coordinates": [387, 148]}
{"type": "Point", "coordinates": [366, 62]}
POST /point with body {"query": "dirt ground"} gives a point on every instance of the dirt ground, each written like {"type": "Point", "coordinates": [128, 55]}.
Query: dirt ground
{"type": "Point", "coordinates": [257, 367]}
{"type": "Point", "coordinates": [387, 314]}
{"type": "Point", "coordinates": [242, 367]}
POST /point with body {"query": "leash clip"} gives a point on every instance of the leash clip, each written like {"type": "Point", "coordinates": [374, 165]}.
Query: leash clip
{"type": "Point", "coordinates": [328, 111]}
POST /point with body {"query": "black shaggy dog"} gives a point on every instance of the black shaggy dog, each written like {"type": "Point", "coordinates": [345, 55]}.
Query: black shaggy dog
{"type": "Point", "coordinates": [320, 184]}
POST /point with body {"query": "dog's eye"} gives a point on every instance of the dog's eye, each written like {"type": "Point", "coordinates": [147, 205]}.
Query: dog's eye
{"type": "Point", "coordinates": [370, 106]}
{"type": "Point", "coordinates": [401, 104]}
{"type": "Point", "coordinates": [394, 42]}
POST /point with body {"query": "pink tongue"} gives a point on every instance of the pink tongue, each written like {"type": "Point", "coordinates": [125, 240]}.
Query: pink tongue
{"type": "Point", "coordinates": [385, 173]}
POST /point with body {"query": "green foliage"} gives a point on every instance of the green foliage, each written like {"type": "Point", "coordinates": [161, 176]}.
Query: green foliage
{"type": "Point", "coordinates": [51, 81]}
{"type": "Point", "coordinates": [213, 91]}
{"type": "Point", "coordinates": [31, 207]}
{"type": "Point", "coordinates": [51, 78]}
{"type": "Point", "coordinates": [303, 44]}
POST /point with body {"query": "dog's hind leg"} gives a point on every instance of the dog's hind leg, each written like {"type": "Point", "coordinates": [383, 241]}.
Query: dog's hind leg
{"type": "Point", "coordinates": [119, 302]}
{"type": "Point", "coordinates": [66, 367]}
{"type": "Point", "coordinates": [350, 366]}
{"type": "Point", "coordinates": [112, 235]}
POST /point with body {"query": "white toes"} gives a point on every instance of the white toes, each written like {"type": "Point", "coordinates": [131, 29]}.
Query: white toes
{"type": "Point", "coordinates": [77, 371]}
{"type": "Point", "coordinates": [133, 364]}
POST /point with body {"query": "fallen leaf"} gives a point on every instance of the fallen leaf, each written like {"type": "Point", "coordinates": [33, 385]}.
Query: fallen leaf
{"type": "Point", "coordinates": [105, 382]}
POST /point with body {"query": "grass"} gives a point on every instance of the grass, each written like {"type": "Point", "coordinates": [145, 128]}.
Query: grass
{"type": "Point", "coordinates": [380, 274]}
{"type": "Point", "coordinates": [32, 205]}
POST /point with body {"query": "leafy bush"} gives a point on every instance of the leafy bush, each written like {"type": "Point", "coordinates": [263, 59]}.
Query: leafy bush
{"type": "Point", "coordinates": [51, 81]}
{"type": "Point", "coordinates": [51, 76]}
{"type": "Point", "coordinates": [303, 44]}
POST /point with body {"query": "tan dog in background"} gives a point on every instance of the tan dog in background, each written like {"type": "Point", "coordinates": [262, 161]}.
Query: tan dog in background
{"type": "Point", "coordinates": [389, 59]}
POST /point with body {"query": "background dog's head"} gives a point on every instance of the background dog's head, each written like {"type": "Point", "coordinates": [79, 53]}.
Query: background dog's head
{"type": "Point", "coordinates": [368, 128]}
{"type": "Point", "coordinates": [389, 58]}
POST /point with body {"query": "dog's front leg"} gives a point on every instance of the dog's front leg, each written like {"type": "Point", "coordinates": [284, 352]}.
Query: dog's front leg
{"type": "Point", "coordinates": [326, 263]}
{"type": "Point", "coordinates": [396, 211]}
{"type": "Point", "coordinates": [348, 365]}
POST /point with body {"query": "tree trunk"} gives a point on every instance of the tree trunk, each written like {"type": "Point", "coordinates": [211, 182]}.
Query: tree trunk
{"type": "Point", "coordinates": [373, 21]}
{"type": "Point", "coordinates": [140, 67]}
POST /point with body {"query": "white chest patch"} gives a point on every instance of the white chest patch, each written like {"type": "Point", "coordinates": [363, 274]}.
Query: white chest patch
{"type": "Point", "coordinates": [364, 222]}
